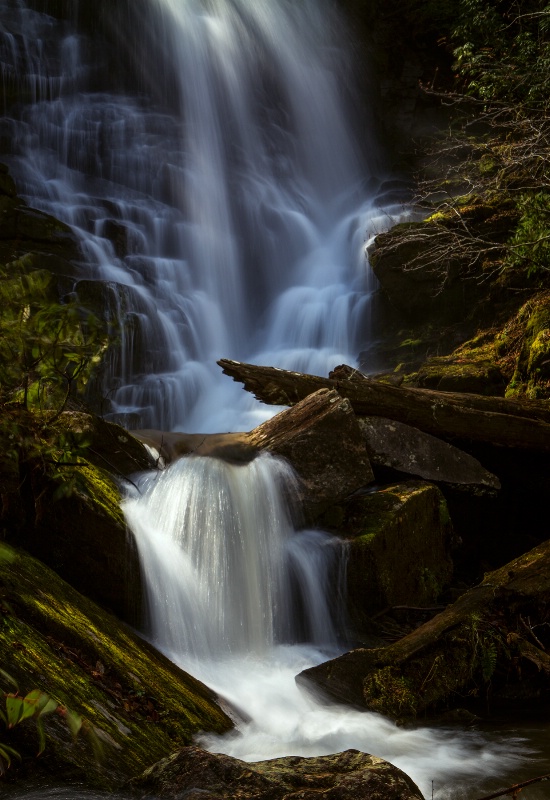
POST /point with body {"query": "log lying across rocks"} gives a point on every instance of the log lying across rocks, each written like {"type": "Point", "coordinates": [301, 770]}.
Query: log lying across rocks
{"type": "Point", "coordinates": [449, 415]}
{"type": "Point", "coordinates": [486, 646]}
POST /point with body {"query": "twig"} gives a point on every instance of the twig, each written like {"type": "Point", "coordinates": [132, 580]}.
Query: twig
{"type": "Point", "coordinates": [112, 466]}
{"type": "Point", "coordinates": [389, 609]}
{"type": "Point", "coordinates": [513, 791]}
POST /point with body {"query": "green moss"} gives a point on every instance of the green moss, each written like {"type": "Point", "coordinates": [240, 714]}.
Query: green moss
{"type": "Point", "coordinates": [142, 705]}
{"type": "Point", "coordinates": [102, 492]}
{"type": "Point", "coordinates": [388, 692]}
{"type": "Point", "coordinates": [400, 551]}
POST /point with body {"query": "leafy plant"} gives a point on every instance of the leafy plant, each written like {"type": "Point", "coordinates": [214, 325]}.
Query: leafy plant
{"type": "Point", "coordinates": [48, 348]}
{"type": "Point", "coordinates": [36, 705]}
{"type": "Point", "coordinates": [530, 244]}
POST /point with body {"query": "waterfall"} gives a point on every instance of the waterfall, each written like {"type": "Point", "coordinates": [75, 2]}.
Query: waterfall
{"type": "Point", "coordinates": [208, 164]}
{"type": "Point", "coordinates": [226, 570]}
{"type": "Point", "coordinates": [229, 218]}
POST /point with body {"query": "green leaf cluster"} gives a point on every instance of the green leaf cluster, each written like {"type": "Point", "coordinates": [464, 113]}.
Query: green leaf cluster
{"type": "Point", "coordinates": [48, 349]}
{"type": "Point", "coordinates": [530, 244]}
{"type": "Point", "coordinates": [36, 705]}
{"type": "Point", "coordinates": [502, 52]}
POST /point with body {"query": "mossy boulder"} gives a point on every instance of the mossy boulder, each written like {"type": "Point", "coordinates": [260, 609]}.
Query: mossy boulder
{"type": "Point", "coordinates": [69, 516]}
{"type": "Point", "coordinates": [400, 550]}
{"type": "Point", "coordinates": [488, 650]}
{"type": "Point", "coordinates": [525, 339]}
{"type": "Point", "coordinates": [429, 270]}
{"type": "Point", "coordinates": [473, 367]}
{"type": "Point", "coordinates": [350, 775]}
{"type": "Point", "coordinates": [140, 705]}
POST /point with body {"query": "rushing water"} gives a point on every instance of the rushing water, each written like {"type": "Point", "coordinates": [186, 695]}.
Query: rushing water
{"type": "Point", "coordinates": [221, 197]}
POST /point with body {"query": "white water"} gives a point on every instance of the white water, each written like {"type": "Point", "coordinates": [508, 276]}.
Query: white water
{"type": "Point", "coordinates": [233, 590]}
{"type": "Point", "coordinates": [243, 203]}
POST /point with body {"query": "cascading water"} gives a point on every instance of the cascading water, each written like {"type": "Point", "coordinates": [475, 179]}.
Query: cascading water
{"type": "Point", "coordinates": [226, 216]}
{"type": "Point", "coordinates": [238, 205]}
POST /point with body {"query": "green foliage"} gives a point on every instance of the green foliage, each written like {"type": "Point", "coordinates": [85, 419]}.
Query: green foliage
{"type": "Point", "coordinates": [36, 705]}
{"type": "Point", "coordinates": [530, 244]}
{"type": "Point", "coordinates": [502, 51]}
{"type": "Point", "coordinates": [48, 349]}
{"type": "Point", "coordinates": [48, 352]}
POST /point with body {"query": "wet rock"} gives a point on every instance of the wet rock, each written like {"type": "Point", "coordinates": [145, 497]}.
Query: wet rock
{"type": "Point", "coordinates": [400, 553]}
{"type": "Point", "coordinates": [406, 449]}
{"type": "Point", "coordinates": [426, 269]}
{"type": "Point", "coordinates": [73, 521]}
{"type": "Point", "coordinates": [7, 184]}
{"type": "Point", "coordinates": [489, 648]}
{"type": "Point", "coordinates": [321, 438]}
{"type": "Point", "coordinates": [125, 240]}
{"type": "Point", "coordinates": [351, 775]}
{"type": "Point", "coordinates": [139, 705]}
{"type": "Point", "coordinates": [25, 230]}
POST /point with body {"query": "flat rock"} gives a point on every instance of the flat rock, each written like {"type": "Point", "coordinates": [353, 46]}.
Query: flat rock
{"type": "Point", "coordinates": [351, 775]}
{"type": "Point", "coordinates": [407, 449]}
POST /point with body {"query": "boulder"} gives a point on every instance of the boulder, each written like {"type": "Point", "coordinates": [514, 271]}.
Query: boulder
{"type": "Point", "coordinates": [135, 703]}
{"type": "Point", "coordinates": [430, 270]}
{"type": "Point", "coordinates": [409, 450]}
{"type": "Point", "coordinates": [321, 438]}
{"type": "Point", "coordinates": [400, 550]}
{"type": "Point", "coordinates": [25, 230]}
{"type": "Point", "coordinates": [70, 517]}
{"type": "Point", "coordinates": [486, 651]}
{"type": "Point", "coordinates": [193, 773]}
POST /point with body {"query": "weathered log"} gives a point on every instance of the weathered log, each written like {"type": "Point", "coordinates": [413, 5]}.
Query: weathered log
{"type": "Point", "coordinates": [319, 436]}
{"type": "Point", "coordinates": [494, 420]}
{"type": "Point", "coordinates": [491, 643]}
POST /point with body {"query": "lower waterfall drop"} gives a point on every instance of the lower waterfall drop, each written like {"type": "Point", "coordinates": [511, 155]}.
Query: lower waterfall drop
{"type": "Point", "coordinates": [243, 601]}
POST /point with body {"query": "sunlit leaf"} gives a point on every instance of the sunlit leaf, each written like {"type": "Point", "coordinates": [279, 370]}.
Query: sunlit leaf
{"type": "Point", "coordinates": [74, 722]}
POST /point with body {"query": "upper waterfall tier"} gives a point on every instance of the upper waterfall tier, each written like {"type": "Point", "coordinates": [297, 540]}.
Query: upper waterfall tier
{"type": "Point", "coordinates": [224, 197]}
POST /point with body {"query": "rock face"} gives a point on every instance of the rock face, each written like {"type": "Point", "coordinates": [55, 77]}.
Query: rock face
{"type": "Point", "coordinates": [82, 533]}
{"type": "Point", "coordinates": [139, 703]}
{"type": "Point", "coordinates": [193, 773]}
{"type": "Point", "coordinates": [490, 646]}
{"type": "Point", "coordinates": [400, 553]}
{"type": "Point", "coordinates": [406, 449]}
{"type": "Point", "coordinates": [25, 230]}
{"type": "Point", "coordinates": [322, 440]}
{"type": "Point", "coordinates": [426, 269]}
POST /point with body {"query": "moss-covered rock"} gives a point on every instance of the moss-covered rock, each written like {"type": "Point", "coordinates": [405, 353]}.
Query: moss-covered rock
{"type": "Point", "coordinates": [400, 550]}
{"type": "Point", "coordinates": [140, 705]}
{"type": "Point", "coordinates": [69, 515]}
{"type": "Point", "coordinates": [525, 340]}
{"type": "Point", "coordinates": [487, 650]}
{"type": "Point", "coordinates": [473, 367]}
{"type": "Point", "coordinates": [431, 269]}
{"type": "Point", "coordinates": [350, 775]}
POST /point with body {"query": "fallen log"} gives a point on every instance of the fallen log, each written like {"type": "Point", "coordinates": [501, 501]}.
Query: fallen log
{"type": "Point", "coordinates": [494, 420]}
